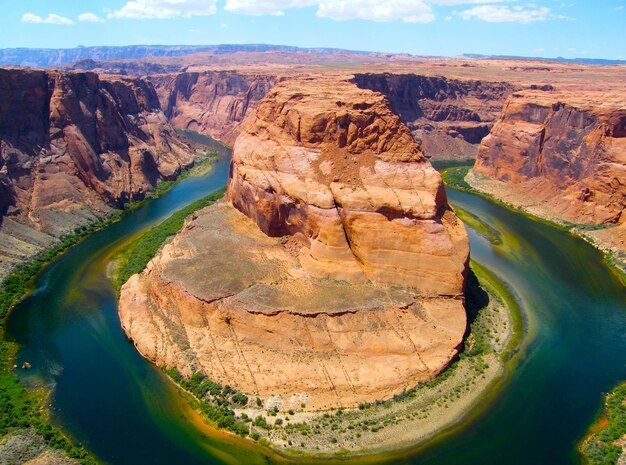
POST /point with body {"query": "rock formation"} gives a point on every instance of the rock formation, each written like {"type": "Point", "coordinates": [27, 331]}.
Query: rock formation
{"type": "Point", "coordinates": [212, 102]}
{"type": "Point", "coordinates": [448, 116]}
{"type": "Point", "coordinates": [342, 280]}
{"type": "Point", "coordinates": [71, 146]}
{"type": "Point", "coordinates": [344, 176]}
{"type": "Point", "coordinates": [566, 151]}
{"type": "Point", "coordinates": [562, 156]}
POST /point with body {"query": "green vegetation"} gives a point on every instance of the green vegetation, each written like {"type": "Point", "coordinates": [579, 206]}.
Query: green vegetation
{"type": "Point", "coordinates": [136, 255]}
{"type": "Point", "coordinates": [455, 177]}
{"type": "Point", "coordinates": [600, 448]}
{"type": "Point", "coordinates": [215, 400]}
{"type": "Point", "coordinates": [480, 278]}
{"type": "Point", "coordinates": [441, 165]}
{"type": "Point", "coordinates": [22, 408]}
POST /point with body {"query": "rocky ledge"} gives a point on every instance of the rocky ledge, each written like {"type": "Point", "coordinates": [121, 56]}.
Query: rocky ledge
{"type": "Point", "coordinates": [561, 156]}
{"type": "Point", "coordinates": [337, 278]}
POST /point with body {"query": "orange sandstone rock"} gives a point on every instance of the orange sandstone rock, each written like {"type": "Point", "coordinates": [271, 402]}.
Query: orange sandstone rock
{"type": "Point", "coordinates": [331, 165]}
{"type": "Point", "coordinates": [343, 281]}
{"type": "Point", "coordinates": [566, 151]}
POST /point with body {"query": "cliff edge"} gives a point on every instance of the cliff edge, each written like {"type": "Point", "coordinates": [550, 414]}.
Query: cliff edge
{"type": "Point", "coordinates": [335, 275]}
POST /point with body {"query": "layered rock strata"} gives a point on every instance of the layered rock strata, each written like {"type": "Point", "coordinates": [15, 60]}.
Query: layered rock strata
{"type": "Point", "coordinates": [212, 102]}
{"type": "Point", "coordinates": [449, 117]}
{"type": "Point", "coordinates": [331, 165]}
{"type": "Point", "coordinates": [562, 156]}
{"type": "Point", "coordinates": [342, 280]}
{"type": "Point", "coordinates": [73, 145]}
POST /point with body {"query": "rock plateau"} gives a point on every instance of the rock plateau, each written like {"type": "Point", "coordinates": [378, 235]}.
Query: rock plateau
{"type": "Point", "coordinates": [335, 274]}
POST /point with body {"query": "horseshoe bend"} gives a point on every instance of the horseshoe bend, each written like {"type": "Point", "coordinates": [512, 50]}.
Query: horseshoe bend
{"type": "Point", "coordinates": [332, 274]}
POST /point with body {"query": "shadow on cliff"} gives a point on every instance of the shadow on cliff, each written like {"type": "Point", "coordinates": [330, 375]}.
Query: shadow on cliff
{"type": "Point", "coordinates": [476, 298]}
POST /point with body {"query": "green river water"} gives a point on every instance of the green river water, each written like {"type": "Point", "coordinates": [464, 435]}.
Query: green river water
{"type": "Point", "coordinates": [126, 412]}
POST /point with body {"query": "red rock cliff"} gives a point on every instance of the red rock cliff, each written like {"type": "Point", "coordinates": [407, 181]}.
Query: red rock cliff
{"type": "Point", "coordinates": [565, 151]}
{"type": "Point", "coordinates": [212, 102]}
{"type": "Point", "coordinates": [448, 116]}
{"type": "Point", "coordinates": [74, 144]}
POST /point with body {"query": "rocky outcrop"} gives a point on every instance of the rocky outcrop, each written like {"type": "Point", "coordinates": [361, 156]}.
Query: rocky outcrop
{"type": "Point", "coordinates": [565, 151]}
{"type": "Point", "coordinates": [212, 102]}
{"type": "Point", "coordinates": [449, 117]}
{"type": "Point", "coordinates": [73, 145]}
{"type": "Point", "coordinates": [332, 165]}
{"type": "Point", "coordinates": [341, 282]}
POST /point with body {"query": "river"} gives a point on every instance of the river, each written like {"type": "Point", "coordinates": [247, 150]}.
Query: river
{"type": "Point", "coordinates": [125, 411]}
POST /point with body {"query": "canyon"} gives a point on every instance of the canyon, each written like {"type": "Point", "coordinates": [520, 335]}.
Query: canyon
{"type": "Point", "coordinates": [333, 276]}
{"type": "Point", "coordinates": [561, 156]}
{"type": "Point", "coordinates": [335, 248]}
{"type": "Point", "coordinates": [74, 146]}
{"type": "Point", "coordinates": [448, 117]}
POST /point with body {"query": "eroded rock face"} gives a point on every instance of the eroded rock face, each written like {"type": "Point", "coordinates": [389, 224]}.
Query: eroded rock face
{"type": "Point", "coordinates": [71, 146]}
{"type": "Point", "coordinates": [342, 280]}
{"type": "Point", "coordinates": [331, 165]}
{"type": "Point", "coordinates": [212, 102]}
{"type": "Point", "coordinates": [566, 151]}
{"type": "Point", "coordinates": [227, 300]}
{"type": "Point", "coordinates": [448, 116]}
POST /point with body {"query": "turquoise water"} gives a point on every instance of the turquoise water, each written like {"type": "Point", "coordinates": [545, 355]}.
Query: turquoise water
{"type": "Point", "coordinates": [125, 412]}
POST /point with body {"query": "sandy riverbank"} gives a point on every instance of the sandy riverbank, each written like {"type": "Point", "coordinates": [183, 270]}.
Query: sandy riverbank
{"type": "Point", "coordinates": [610, 239]}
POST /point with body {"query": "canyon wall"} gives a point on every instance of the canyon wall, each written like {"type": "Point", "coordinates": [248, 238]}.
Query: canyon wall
{"type": "Point", "coordinates": [561, 156]}
{"type": "Point", "coordinates": [73, 145]}
{"type": "Point", "coordinates": [568, 152]}
{"type": "Point", "coordinates": [448, 117]}
{"type": "Point", "coordinates": [212, 102]}
{"type": "Point", "coordinates": [335, 275]}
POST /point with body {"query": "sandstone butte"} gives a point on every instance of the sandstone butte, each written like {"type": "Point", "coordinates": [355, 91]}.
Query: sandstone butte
{"type": "Point", "coordinates": [334, 274]}
{"type": "Point", "coordinates": [562, 155]}
{"type": "Point", "coordinates": [73, 145]}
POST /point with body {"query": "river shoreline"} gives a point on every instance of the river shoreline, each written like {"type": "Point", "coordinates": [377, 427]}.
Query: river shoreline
{"type": "Point", "coordinates": [17, 285]}
{"type": "Point", "coordinates": [484, 187]}
{"type": "Point", "coordinates": [411, 419]}
{"type": "Point", "coordinates": [493, 189]}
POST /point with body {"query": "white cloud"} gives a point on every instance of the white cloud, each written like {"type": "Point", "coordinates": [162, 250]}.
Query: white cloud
{"type": "Point", "coordinates": [619, 8]}
{"type": "Point", "coordinates": [164, 9]}
{"type": "Point", "coordinates": [505, 14]}
{"type": "Point", "coordinates": [412, 11]}
{"type": "Point", "coordinates": [539, 50]}
{"type": "Point", "coordinates": [265, 7]}
{"type": "Point", "coordinates": [51, 19]}
{"type": "Point", "coordinates": [409, 11]}
{"type": "Point", "coordinates": [90, 18]}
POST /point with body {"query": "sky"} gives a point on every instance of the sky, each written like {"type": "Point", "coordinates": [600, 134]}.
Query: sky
{"type": "Point", "coordinates": [542, 28]}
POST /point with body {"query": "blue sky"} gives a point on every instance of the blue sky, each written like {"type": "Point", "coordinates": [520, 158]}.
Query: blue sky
{"type": "Point", "coordinates": [548, 28]}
